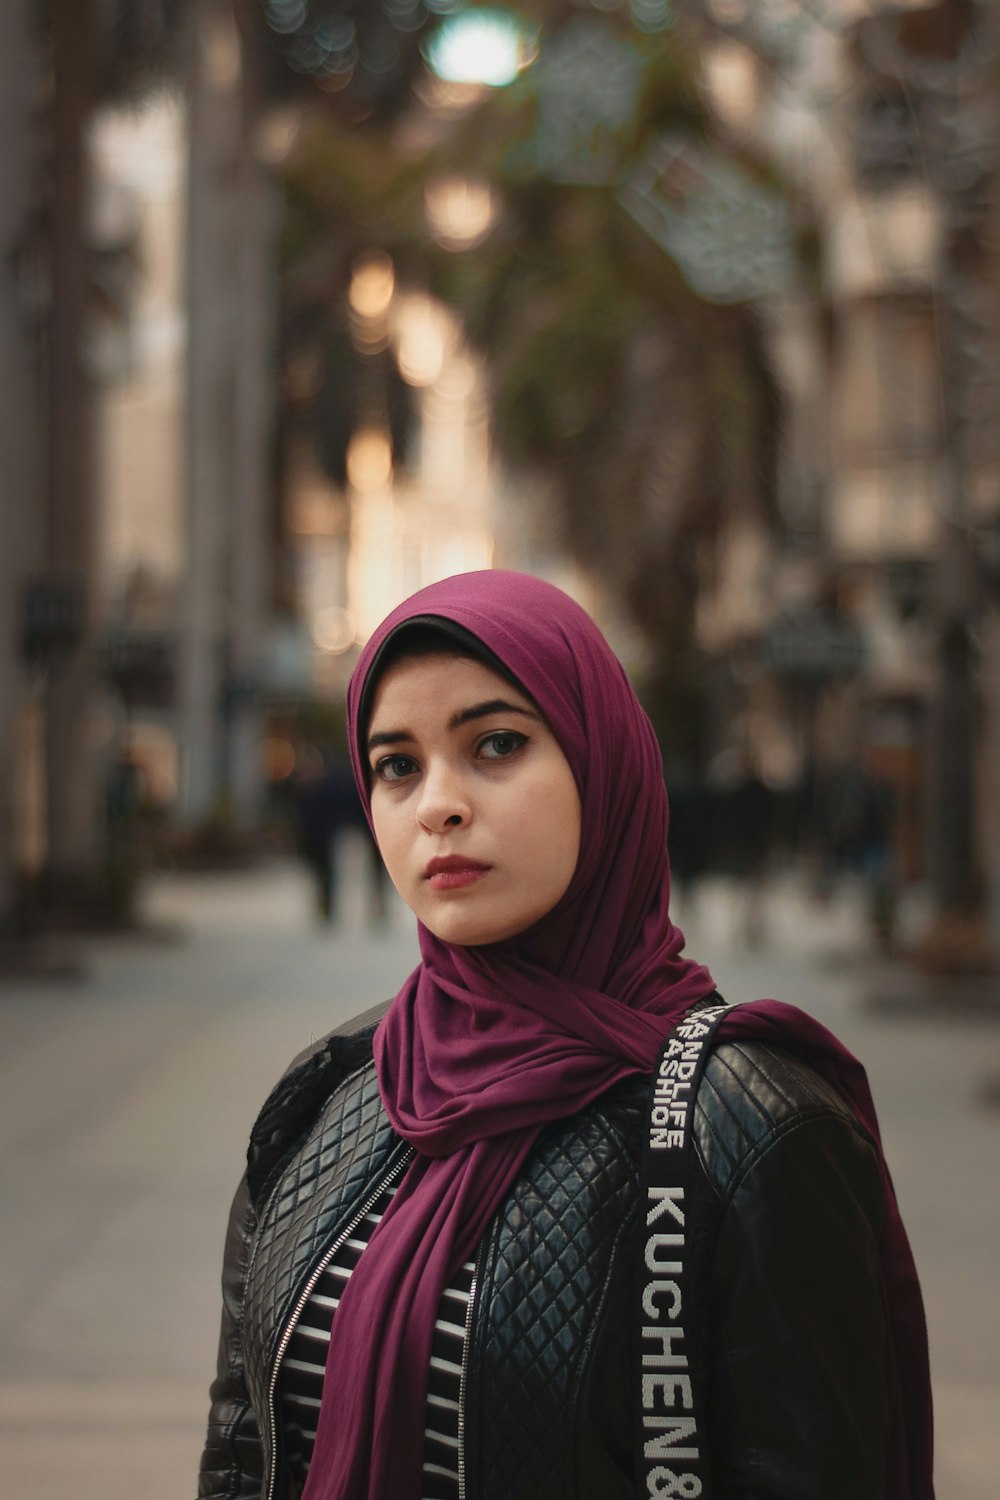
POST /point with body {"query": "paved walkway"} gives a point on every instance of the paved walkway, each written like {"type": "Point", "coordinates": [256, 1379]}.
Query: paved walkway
{"type": "Point", "coordinates": [124, 1107]}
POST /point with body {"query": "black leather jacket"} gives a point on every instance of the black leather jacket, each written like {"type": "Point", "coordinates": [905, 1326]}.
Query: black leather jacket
{"type": "Point", "coordinates": [797, 1335]}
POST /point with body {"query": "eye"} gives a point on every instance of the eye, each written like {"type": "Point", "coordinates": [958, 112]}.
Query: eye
{"type": "Point", "coordinates": [393, 768]}
{"type": "Point", "coordinates": [501, 744]}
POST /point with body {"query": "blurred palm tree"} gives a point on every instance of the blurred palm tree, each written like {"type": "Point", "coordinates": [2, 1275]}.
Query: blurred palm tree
{"type": "Point", "coordinates": [90, 52]}
{"type": "Point", "coordinates": [648, 406]}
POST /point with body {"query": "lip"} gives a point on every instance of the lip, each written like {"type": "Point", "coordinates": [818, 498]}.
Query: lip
{"type": "Point", "coordinates": [449, 872]}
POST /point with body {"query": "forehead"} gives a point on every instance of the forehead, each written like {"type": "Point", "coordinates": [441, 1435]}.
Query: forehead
{"type": "Point", "coordinates": [422, 683]}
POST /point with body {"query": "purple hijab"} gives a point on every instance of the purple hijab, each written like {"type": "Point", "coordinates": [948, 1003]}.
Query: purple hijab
{"type": "Point", "coordinates": [483, 1046]}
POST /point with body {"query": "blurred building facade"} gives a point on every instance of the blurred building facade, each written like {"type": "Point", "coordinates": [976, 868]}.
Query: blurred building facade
{"type": "Point", "coordinates": [854, 630]}
{"type": "Point", "coordinates": [230, 568]}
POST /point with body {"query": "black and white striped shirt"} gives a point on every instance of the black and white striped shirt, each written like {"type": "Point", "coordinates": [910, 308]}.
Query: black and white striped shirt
{"type": "Point", "coordinates": [304, 1365]}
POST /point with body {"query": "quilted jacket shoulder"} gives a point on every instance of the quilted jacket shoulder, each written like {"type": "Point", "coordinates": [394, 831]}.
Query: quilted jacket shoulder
{"type": "Point", "coordinates": [751, 1093]}
{"type": "Point", "coordinates": [797, 1207]}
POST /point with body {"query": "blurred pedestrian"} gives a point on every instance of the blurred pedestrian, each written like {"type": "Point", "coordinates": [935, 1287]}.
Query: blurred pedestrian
{"type": "Point", "coordinates": [126, 788]}
{"type": "Point", "coordinates": [690, 844]}
{"type": "Point", "coordinates": [453, 1267]}
{"type": "Point", "coordinates": [323, 797]}
{"type": "Point", "coordinates": [326, 806]}
{"type": "Point", "coordinates": [741, 822]}
{"type": "Point", "coordinates": [862, 821]}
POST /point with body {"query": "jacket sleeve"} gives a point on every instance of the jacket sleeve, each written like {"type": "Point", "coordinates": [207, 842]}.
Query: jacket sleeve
{"type": "Point", "coordinates": [799, 1401]}
{"type": "Point", "coordinates": [231, 1462]}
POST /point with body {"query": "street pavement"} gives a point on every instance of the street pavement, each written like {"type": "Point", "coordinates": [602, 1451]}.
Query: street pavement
{"type": "Point", "coordinates": [125, 1101]}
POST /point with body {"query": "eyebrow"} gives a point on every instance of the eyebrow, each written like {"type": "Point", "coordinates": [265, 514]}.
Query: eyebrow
{"type": "Point", "coordinates": [464, 716]}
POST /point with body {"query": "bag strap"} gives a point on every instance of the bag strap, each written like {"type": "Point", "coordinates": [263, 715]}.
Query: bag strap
{"type": "Point", "coordinates": [671, 1446]}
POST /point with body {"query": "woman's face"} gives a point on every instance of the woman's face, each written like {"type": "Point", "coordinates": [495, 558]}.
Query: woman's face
{"type": "Point", "coordinates": [475, 807]}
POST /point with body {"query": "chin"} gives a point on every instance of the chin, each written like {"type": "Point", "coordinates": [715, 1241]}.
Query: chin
{"type": "Point", "coordinates": [463, 934]}
{"type": "Point", "coordinates": [466, 932]}
{"type": "Point", "coordinates": [454, 922]}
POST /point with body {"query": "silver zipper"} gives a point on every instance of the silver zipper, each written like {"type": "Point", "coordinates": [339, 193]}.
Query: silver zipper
{"type": "Point", "coordinates": [466, 1344]}
{"type": "Point", "coordinates": [304, 1296]}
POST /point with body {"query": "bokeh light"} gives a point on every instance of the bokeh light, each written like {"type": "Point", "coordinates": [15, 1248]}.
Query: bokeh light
{"type": "Point", "coordinates": [372, 285]}
{"type": "Point", "coordinates": [333, 630]}
{"type": "Point", "coordinates": [421, 335]}
{"type": "Point", "coordinates": [369, 460]}
{"type": "Point", "coordinates": [484, 46]}
{"type": "Point", "coordinates": [460, 211]}
{"type": "Point", "coordinates": [651, 16]}
{"type": "Point", "coordinates": [285, 16]}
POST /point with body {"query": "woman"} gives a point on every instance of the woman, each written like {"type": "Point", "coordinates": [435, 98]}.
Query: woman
{"type": "Point", "coordinates": [434, 1260]}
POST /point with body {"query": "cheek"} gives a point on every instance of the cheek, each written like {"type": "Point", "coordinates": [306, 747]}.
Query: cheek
{"type": "Point", "coordinates": [553, 835]}
{"type": "Point", "coordinates": [387, 834]}
{"type": "Point", "coordinates": [569, 839]}
{"type": "Point", "coordinates": [378, 823]}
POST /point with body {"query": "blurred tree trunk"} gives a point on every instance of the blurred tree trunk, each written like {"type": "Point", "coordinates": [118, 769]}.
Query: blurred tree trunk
{"type": "Point", "coordinates": [966, 271]}
{"type": "Point", "coordinates": [230, 316]}
{"type": "Point", "coordinates": [254, 334]}
{"type": "Point", "coordinates": [73, 788]}
{"type": "Point", "coordinates": [958, 800]}
{"type": "Point", "coordinates": [212, 290]}
{"type": "Point", "coordinates": [19, 531]}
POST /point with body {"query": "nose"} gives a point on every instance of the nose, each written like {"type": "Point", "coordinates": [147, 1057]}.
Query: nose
{"type": "Point", "coordinates": [443, 801]}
